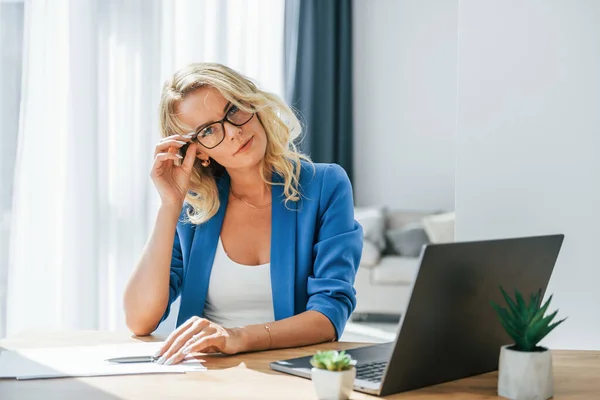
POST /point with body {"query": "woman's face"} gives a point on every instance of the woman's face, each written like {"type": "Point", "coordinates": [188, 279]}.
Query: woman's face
{"type": "Point", "coordinates": [242, 146]}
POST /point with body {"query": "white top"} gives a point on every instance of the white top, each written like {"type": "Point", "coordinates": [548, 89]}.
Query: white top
{"type": "Point", "coordinates": [238, 295]}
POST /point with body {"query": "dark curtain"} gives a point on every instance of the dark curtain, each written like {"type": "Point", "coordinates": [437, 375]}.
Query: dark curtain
{"type": "Point", "coordinates": [318, 74]}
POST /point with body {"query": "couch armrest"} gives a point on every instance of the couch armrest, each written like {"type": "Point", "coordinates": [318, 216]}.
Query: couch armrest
{"type": "Point", "coordinates": [440, 227]}
{"type": "Point", "coordinates": [373, 223]}
{"type": "Point", "coordinates": [370, 255]}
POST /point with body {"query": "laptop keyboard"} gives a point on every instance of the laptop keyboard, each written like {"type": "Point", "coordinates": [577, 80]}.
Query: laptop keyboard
{"type": "Point", "coordinates": [372, 372]}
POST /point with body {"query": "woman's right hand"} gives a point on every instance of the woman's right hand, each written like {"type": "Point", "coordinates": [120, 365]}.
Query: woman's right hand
{"type": "Point", "coordinates": [172, 181]}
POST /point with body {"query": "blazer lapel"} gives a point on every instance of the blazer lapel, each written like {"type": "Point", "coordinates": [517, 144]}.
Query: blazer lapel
{"type": "Point", "coordinates": [283, 255]}
{"type": "Point", "coordinates": [283, 251]}
{"type": "Point", "coordinates": [202, 255]}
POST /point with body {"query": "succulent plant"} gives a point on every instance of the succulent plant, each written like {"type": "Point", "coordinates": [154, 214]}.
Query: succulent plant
{"type": "Point", "coordinates": [332, 360]}
{"type": "Point", "coordinates": [526, 323]}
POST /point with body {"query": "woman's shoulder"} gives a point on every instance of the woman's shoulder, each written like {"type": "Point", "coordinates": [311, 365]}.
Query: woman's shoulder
{"type": "Point", "coordinates": [322, 177]}
{"type": "Point", "coordinates": [311, 173]}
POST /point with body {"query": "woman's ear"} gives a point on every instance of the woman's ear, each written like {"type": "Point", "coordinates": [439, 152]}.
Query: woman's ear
{"type": "Point", "coordinates": [200, 155]}
{"type": "Point", "coordinates": [204, 158]}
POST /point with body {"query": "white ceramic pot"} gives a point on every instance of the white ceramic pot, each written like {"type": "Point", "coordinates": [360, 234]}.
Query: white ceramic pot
{"type": "Point", "coordinates": [525, 376]}
{"type": "Point", "coordinates": [333, 385]}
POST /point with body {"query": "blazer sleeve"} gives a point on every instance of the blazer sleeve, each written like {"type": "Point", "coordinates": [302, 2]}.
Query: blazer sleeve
{"type": "Point", "coordinates": [337, 251]}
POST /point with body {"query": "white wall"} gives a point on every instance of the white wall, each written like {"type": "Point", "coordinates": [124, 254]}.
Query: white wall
{"type": "Point", "coordinates": [528, 146]}
{"type": "Point", "coordinates": [405, 102]}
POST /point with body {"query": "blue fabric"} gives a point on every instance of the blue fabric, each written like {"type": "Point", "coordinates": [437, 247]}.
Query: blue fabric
{"type": "Point", "coordinates": [316, 247]}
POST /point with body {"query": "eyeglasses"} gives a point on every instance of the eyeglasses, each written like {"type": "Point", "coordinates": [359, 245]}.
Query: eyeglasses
{"type": "Point", "coordinates": [212, 134]}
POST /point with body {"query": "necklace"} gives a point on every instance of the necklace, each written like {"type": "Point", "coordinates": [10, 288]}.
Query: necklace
{"type": "Point", "coordinates": [245, 202]}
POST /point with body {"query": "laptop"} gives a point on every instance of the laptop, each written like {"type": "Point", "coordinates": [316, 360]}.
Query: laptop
{"type": "Point", "coordinates": [449, 330]}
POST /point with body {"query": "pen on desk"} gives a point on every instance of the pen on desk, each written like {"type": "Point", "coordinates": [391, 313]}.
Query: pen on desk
{"type": "Point", "coordinates": [129, 360]}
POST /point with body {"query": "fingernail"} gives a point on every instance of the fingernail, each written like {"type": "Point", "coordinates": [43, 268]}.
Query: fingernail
{"type": "Point", "coordinates": [187, 350]}
{"type": "Point", "coordinates": [180, 142]}
{"type": "Point", "coordinates": [170, 360]}
{"type": "Point", "coordinates": [178, 155]}
{"type": "Point", "coordinates": [161, 360]}
{"type": "Point", "coordinates": [157, 353]}
{"type": "Point", "coordinates": [189, 135]}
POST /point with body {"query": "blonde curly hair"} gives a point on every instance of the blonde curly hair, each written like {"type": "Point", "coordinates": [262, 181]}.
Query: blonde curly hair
{"type": "Point", "coordinates": [281, 126]}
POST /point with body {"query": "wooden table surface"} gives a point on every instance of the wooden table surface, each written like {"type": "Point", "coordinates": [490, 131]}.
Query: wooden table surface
{"type": "Point", "coordinates": [247, 376]}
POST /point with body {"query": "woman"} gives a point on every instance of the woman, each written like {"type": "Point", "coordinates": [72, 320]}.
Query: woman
{"type": "Point", "coordinates": [260, 243]}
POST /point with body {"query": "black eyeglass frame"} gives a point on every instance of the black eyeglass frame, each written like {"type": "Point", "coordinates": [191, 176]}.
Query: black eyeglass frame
{"type": "Point", "coordinates": [222, 122]}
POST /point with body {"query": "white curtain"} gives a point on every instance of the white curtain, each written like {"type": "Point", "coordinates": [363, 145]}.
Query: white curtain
{"type": "Point", "coordinates": [83, 202]}
{"type": "Point", "coordinates": [11, 46]}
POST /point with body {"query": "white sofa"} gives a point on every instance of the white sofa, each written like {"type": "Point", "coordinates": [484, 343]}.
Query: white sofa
{"type": "Point", "coordinates": [384, 281]}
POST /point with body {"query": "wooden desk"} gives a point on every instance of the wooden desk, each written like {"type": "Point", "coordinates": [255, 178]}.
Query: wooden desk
{"type": "Point", "coordinates": [247, 376]}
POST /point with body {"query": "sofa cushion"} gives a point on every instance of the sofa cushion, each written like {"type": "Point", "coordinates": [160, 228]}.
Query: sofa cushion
{"type": "Point", "coordinates": [373, 223]}
{"type": "Point", "coordinates": [370, 255]}
{"type": "Point", "coordinates": [408, 240]}
{"type": "Point", "coordinates": [395, 270]}
{"type": "Point", "coordinates": [398, 218]}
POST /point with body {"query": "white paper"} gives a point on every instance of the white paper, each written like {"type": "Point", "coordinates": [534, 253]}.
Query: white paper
{"type": "Point", "coordinates": [58, 362]}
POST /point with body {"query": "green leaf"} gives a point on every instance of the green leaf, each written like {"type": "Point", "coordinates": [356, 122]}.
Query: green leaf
{"type": "Point", "coordinates": [332, 360]}
{"type": "Point", "coordinates": [503, 315]}
{"type": "Point", "coordinates": [550, 329]}
{"type": "Point", "coordinates": [497, 308]}
{"type": "Point", "coordinates": [543, 327]}
{"type": "Point", "coordinates": [521, 344]}
{"type": "Point", "coordinates": [533, 334]}
{"type": "Point", "coordinates": [525, 322]}
{"type": "Point", "coordinates": [534, 304]}
{"type": "Point", "coordinates": [546, 323]}
{"type": "Point", "coordinates": [520, 303]}
{"type": "Point", "coordinates": [554, 325]}
{"type": "Point", "coordinates": [512, 333]}
{"type": "Point", "coordinates": [540, 313]}
{"type": "Point", "coordinates": [546, 320]}
{"type": "Point", "coordinates": [515, 325]}
{"type": "Point", "coordinates": [317, 360]}
{"type": "Point", "coordinates": [510, 302]}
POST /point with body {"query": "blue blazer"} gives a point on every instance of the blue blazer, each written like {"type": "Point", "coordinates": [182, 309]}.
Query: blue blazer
{"type": "Point", "coordinates": [316, 247]}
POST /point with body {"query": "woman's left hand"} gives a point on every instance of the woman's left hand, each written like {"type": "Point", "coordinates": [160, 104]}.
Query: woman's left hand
{"type": "Point", "coordinates": [199, 335]}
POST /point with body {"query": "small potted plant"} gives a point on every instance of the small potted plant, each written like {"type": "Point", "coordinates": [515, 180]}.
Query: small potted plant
{"type": "Point", "coordinates": [333, 374]}
{"type": "Point", "coordinates": [525, 369]}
